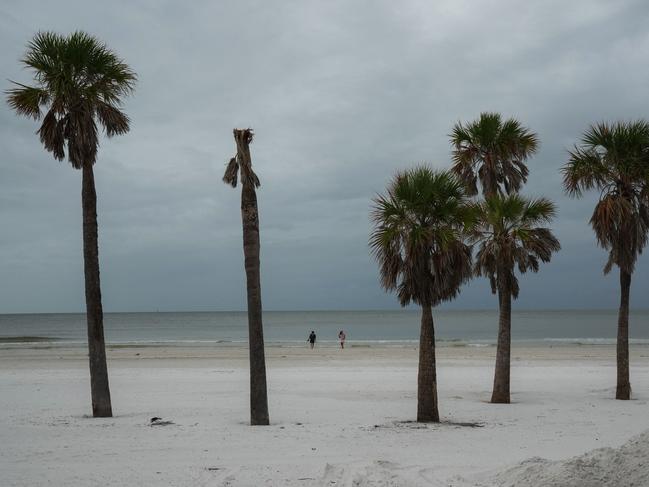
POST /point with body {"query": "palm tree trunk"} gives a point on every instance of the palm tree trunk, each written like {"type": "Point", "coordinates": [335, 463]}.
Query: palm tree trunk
{"type": "Point", "coordinates": [623, 390]}
{"type": "Point", "coordinates": [427, 411]}
{"type": "Point", "coordinates": [500, 392]}
{"type": "Point", "coordinates": [258, 392]}
{"type": "Point", "coordinates": [99, 388]}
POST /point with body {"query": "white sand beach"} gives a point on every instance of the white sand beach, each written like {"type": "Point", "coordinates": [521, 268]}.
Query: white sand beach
{"type": "Point", "coordinates": [339, 418]}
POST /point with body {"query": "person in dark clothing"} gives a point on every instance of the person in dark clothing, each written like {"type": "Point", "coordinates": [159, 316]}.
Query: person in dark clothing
{"type": "Point", "coordinates": [311, 339]}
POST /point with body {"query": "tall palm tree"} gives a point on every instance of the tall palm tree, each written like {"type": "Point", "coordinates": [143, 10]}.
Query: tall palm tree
{"type": "Point", "coordinates": [508, 238]}
{"type": "Point", "coordinates": [79, 84]}
{"type": "Point", "coordinates": [494, 152]}
{"type": "Point", "coordinates": [418, 242]}
{"type": "Point", "coordinates": [614, 159]}
{"type": "Point", "coordinates": [242, 163]}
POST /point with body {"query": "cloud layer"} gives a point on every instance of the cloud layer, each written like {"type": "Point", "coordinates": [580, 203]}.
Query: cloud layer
{"type": "Point", "coordinates": [341, 95]}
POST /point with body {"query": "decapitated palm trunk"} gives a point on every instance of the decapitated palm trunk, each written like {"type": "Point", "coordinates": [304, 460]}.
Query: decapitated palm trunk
{"type": "Point", "coordinates": [427, 411]}
{"type": "Point", "coordinates": [250, 217]}
{"type": "Point", "coordinates": [99, 388]}
{"type": "Point", "coordinates": [623, 390]}
{"type": "Point", "coordinates": [500, 392]}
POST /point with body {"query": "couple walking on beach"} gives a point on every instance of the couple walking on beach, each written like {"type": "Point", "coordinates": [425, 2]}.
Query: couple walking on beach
{"type": "Point", "coordinates": [341, 339]}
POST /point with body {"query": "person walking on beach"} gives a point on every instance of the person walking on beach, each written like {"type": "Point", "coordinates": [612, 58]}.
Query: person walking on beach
{"type": "Point", "coordinates": [341, 337]}
{"type": "Point", "coordinates": [311, 339]}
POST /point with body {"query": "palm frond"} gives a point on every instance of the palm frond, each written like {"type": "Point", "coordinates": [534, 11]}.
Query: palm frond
{"type": "Point", "coordinates": [52, 134]}
{"type": "Point", "coordinates": [584, 171]}
{"type": "Point", "coordinates": [508, 238]}
{"type": "Point", "coordinates": [418, 236]}
{"type": "Point", "coordinates": [493, 152]}
{"type": "Point", "coordinates": [614, 159]}
{"type": "Point", "coordinates": [82, 138]}
{"type": "Point", "coordinates": [114, 121]}
{"type": "Point", "coordinates": [537, 211]}
{"type": "Point", "coordinates": [79, 82]}
{"type": "Point", "coordinates": [231, 173]}
{"type": "Point", "coordinates": [27, 100]}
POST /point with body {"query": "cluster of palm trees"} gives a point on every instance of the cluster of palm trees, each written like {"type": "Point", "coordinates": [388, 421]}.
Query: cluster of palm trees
{"type": "Point", "coordinates": [427, 225]}
{"type": "Point", "coordinates": [429, 222]}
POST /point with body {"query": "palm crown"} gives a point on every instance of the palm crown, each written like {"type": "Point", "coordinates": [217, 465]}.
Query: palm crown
{"type": "Point", "coordinates": [492, 151]}
{"type": "Point", "coordinates": [508, 237]}
{"type": "Point", "coordinates": [417, 236]}
{"type": "Point", "coordinates": [614, 159]}
{"type": "Point", "coordinates": [79, 82]}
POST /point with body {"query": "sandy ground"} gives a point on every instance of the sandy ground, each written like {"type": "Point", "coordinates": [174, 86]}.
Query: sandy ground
{"type": "Point", "coordinates": [338, 417]}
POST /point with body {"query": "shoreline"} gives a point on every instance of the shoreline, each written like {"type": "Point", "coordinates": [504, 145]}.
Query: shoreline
{"type": "Point", "coordinates": [9, 342]}
{"type": "Point", "coordinates": [285, 354]}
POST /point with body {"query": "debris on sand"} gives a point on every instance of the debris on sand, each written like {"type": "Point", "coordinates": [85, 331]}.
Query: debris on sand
{"type": "Point", "coordinates": [156, 421]}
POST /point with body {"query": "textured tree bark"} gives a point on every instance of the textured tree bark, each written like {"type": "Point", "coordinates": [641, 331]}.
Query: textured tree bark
{"type": "Point", "coordinates": [623, 390]}
{"type": "Point", "coordinates": [250, 219]}
{"type": "Point", "coordinates": [500, 392]}
{"type": "Point", "coordinates": [427, 411]}
{"type": "Point", "coordinates": [99, 388]}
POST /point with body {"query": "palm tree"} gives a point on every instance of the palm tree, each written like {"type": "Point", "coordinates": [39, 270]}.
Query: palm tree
{"type": "Point", "coordinates": [508, 237]}
{"type": "Point", "coordinates": [242, 163]}
{"type": "Point", "coordinates": [417, 241]}
{"type": "Point", "coordinates": [493, 151]}
{"type": "Point", "coordinates": [614, 159]}
{"type": "Point", "coordinates": [79, 84]}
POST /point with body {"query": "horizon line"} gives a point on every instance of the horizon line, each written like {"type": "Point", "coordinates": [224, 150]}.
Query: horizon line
{"type": "Point", "coordinates": [358, 310]}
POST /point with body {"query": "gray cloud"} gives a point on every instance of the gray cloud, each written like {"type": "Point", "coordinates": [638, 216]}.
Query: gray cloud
{"type": "Point", "coordinates": [341, 95]}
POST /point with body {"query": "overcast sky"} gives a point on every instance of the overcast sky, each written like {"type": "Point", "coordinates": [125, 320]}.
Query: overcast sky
{"type": "Point", "coordinates": [341, 94]}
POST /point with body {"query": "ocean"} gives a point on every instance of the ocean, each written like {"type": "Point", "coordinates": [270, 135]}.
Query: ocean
{"type": "Point", "coordinates": [453, 327]}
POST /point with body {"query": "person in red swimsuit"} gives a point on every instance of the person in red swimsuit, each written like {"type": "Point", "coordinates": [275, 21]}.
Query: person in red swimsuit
{"type": "Point", "coordinates": [341, 337]}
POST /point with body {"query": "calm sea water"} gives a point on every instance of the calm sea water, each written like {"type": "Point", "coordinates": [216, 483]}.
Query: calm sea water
{"type": "Point", "coordinates": [452, 327]}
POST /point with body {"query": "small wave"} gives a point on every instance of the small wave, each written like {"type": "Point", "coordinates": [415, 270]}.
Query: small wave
{"type": "Point", "coordinates": [594, 341]}
{"type": "Point", "coordinates": [28, 339]}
